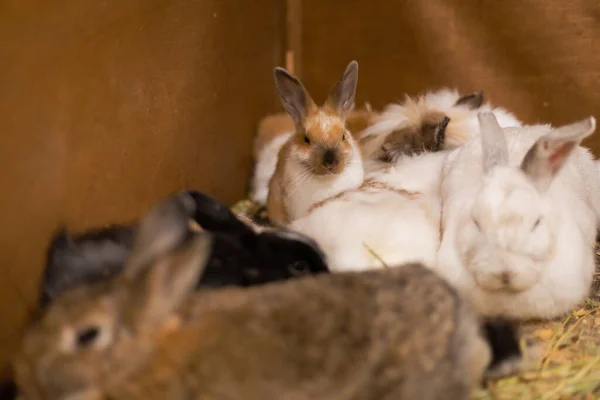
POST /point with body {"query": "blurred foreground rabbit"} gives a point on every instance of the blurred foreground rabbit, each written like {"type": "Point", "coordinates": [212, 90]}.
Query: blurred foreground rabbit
{"type": "Point", "coordinates": [401, 333]}
{"type": "Point", "coordinates": [520, 210]}
{"type": "Point", "coordinates": [240, 254]}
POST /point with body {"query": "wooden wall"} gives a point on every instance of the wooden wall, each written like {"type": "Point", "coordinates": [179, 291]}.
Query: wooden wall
{"type": "Point", "coordinates": [539, 58]}
{"type": "Point", "coordinates": [106, 106]}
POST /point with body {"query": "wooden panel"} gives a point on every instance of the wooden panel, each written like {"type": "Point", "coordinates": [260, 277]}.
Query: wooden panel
{"type": "Point", "coordinates": [537, 57]}
{"type": "Point", "coordinates": [107, 106]}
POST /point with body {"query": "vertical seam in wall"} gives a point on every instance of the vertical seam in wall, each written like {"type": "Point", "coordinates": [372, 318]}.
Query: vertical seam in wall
{"type": "Point", "coordinates": [293, 53]}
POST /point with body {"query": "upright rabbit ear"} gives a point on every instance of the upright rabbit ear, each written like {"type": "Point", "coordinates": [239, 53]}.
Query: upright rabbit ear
{"type": "Point", "coordinates": [473, 100]}
{"type": "Point", "coordinates": [294, 97]}
{"type": "Point", "coordinates": [160, 289]}
{"type": "Point", "coordinates": [164, 228]}
{"type": "Point", "coordinates": [494, 148]}
{"type": "Point", "coordinates": [547, 156]}
{"type": "Point", "coordinates": [341, 97]}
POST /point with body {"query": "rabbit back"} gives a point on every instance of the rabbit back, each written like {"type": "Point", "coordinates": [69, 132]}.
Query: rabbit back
{"type": "Point", "coordinates": [401, 333]}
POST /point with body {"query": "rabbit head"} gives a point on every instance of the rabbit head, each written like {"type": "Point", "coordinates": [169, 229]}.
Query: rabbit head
{"type": "Point", "coordinates": [321, 144]}
{"type": "Point", "coordinates": [434, 121]}
{"type": "Point", "coordinates": [510, 231]}
{"type": "Point", "coordinates": [91, 331]}
{"type": "Point", "coordinates": [299, 254]}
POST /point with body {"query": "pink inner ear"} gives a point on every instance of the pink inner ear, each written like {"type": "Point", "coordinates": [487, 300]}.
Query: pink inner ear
{"type": "Point", "coordinates": [557, 157]}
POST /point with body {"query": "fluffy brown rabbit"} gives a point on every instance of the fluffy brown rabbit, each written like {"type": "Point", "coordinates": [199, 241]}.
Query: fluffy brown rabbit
{"type": "Point", "coordinates": [321, 158]}
{"type": "Point", "coordinates": [400, 333]}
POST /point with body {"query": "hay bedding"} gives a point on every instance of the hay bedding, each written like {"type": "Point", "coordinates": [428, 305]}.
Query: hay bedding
{"type": "Point", "coordinates": [562, 357]}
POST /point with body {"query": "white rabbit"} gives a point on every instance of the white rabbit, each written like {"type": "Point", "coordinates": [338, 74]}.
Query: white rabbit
{"type": "Point", "coordinates": [519, 211]}
{"type": "Point", "coordinates": [392, 219]}
{"type": "Point", "coordinates": [410, 127]}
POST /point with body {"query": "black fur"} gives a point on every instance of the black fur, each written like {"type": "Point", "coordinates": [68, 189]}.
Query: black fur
{"type": "Point", "coordinates": [214, 216]}
{"type": "Point", "coordinates": [240, 256]}
{"type": "Point", "coordinates": [503, 338]}
{"type": "Point", "coordinates": [8, 390]}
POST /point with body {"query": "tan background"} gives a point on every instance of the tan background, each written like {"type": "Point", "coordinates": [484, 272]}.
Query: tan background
{"type": "Point", "coordinates": [108, 105]}
{"type": "Point", "coordinates": [539, 58]}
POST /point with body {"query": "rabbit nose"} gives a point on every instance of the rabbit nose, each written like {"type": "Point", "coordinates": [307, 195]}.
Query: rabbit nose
{"type": "Point", "coordinates": [505, 277]}
{"type": "Point", "coordinates": [329, 158]}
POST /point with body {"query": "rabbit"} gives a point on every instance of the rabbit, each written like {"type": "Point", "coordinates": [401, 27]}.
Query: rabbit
{"type": "Point", "coordinates": [240, 255]}
{"type": "Point", "coordinates": [321, 158]}
{"type": "Point", "coordinates": [520, 207]}
{"type": "Point", "coordinates": [436, 120]}
{"type": "Point", "coordinates": [273, 131]}
{"type": "Point", "coordinates": [400, 333]}
{"type": "Point", "coordinates": [391, 219]}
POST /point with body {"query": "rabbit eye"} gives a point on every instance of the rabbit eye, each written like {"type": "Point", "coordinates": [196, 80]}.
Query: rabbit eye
{"type": "Point", "coordinates": [306, 139]}
{"type": "Point", "coordinates": [344, 136]}
{"type": "Point", "coordinates": [537, 223]}
{"type": "Point", "coordinates": [298, 268]}
{"type": "Point", "coordinates": [87, 336]}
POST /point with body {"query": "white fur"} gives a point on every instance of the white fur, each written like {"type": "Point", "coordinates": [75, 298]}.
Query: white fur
{"type": "Point", "coordinates": [463, 121]}
{"type": "Point", "coordinates": [305, 189]}
{"type": "Point", "coordinates": [552, 265]}
{"type": "Point", "coordinates": [265, 168]}
{"type": "Point", "coordinates": [397, 228]}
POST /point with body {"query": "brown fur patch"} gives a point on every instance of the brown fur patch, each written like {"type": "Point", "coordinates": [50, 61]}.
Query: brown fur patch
{"type": "Point", "coordinates": [414, 138]}
{"type": "Point", "coordinates": [275, 197]}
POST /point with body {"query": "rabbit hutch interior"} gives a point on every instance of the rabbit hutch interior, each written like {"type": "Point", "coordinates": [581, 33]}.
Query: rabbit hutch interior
{"type": "Point", "coordinates": [302, 151]}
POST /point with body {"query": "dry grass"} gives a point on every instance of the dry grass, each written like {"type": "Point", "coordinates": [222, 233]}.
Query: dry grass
{"type": "Point", "coordinates": [562, 357]}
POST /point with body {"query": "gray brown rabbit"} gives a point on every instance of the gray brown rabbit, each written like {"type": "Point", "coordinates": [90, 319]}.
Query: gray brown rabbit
{"type": "Point", "coordinates": [398, 333]}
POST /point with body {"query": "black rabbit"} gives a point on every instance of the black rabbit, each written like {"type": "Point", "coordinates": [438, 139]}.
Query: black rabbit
{"type": "Point", "coordinates": [240, 256]}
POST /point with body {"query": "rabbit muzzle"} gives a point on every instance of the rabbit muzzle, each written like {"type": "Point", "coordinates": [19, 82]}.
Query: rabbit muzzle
{"type": "Point", "coordinates": [496, 272]}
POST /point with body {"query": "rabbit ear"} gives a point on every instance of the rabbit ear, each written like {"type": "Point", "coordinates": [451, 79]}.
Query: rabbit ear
{"type": "Point", "coordinates": [341, 97]}
{"type": "Point", "coordinates": [215, 216]}
{"type": "Point", "coordinates": [165, 227]}
{"type": "Point", "coordinates": [494, 148]}
{"type": "Point", "coordinates": [547, 156]}
{"type": "Point", "coordinates": [60, 244]}
{"type": "Point", "coordinates": [294, 97]}
{"type": "Point", "coordinates": [473, 100]}
{"type": "Point", "coordinates": [162, 287]}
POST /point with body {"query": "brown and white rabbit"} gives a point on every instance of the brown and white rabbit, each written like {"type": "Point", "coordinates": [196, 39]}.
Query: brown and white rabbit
{"type": "Point", "coordinates": [274, 130]}
{"type": "Point", "coordinates": [432, 121]}
{"type": "Point", "coordinates": [321, 158]}
{"type": "Point", "coordinates": [401, 333]}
